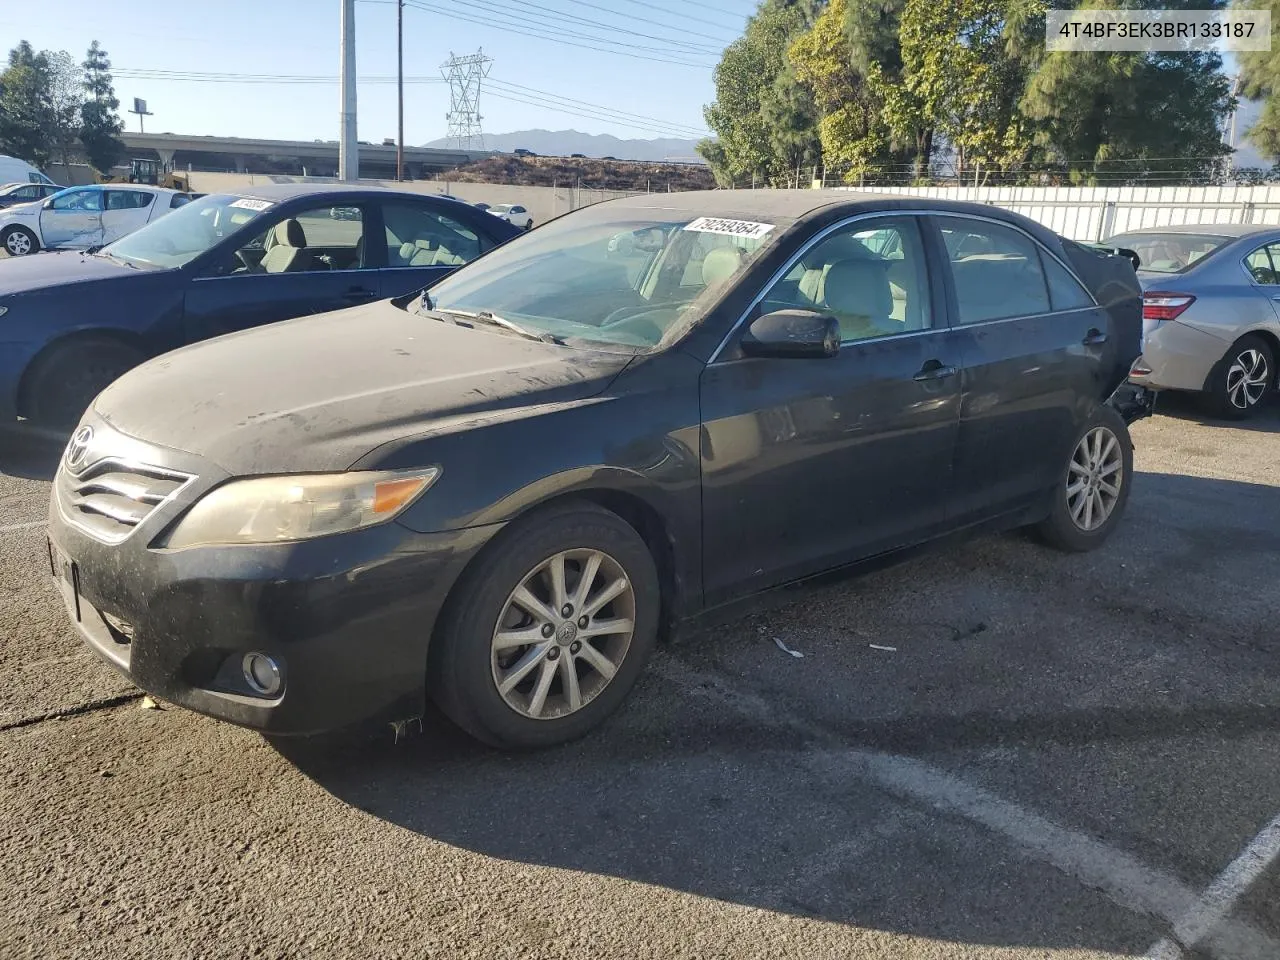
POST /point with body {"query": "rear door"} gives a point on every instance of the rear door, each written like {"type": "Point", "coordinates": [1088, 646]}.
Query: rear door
{"type": "Point", "coordinates": [125, 211]}
{"type": "Point", "coordinates": [73, 219]}
{"type": "Point", "coordinates": [1034, 347]}
{"type": "Point", "coordinates": [1263, 265]}
{"type": "Point", "coordinates": [324, 267]}
{"type": "Point", "coordinates": [424, 244]}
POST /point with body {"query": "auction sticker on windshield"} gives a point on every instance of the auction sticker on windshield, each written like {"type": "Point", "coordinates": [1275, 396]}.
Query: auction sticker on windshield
{"type": "Point", "coordinates": [732, 228]}
{"type": "Point", "coordinates": [245, 203]}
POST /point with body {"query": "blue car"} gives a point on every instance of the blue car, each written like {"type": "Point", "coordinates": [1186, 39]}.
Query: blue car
{"type": "Point", "coordinates": [71, 323]}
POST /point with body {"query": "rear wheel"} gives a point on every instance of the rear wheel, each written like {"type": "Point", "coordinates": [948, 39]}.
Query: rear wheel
{"type": "Point", "coordinates": [1094, 487]}
{"type": "Point", "coordinates": [545, 637]}
{"type": "Point", "coordinates": [19, 242]}
{"type": "Point", "coordinates": [62, 383]}
{"type": "Point", "coordinates": [1241, 379]}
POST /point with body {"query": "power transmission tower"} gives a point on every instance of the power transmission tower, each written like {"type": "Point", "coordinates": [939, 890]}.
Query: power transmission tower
{"type": "Point", "coordinates": [464, 75]}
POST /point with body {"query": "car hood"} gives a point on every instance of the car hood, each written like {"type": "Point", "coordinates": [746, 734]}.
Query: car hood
{"type": "Point", "coordinates": [28, 209]}
{"type": "Point", "coordinates": [319, 393]}
{"type": "Point", "coordinates": [29, 274]}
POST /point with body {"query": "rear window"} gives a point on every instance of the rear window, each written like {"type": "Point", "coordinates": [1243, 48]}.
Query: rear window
{"type": "Point", "coordinates": [1169, 252]}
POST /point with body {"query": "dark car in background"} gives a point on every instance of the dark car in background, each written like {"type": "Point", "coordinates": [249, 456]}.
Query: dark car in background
{"type": "Point", "coordinates": [70, 323]}
{"type": "Point", "coordinates": [497, 493]}
{"type": "Point", "coordinates": [15, 193]}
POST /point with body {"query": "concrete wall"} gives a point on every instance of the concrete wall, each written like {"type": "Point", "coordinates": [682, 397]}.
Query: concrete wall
{"type": "Point", "coordinates": [543, 203]}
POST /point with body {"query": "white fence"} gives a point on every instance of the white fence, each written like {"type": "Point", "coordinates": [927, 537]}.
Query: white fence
{"type": "Point", "coordinates": [1096, 213]}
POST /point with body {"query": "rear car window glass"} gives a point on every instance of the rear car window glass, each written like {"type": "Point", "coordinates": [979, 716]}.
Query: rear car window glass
{"type": "Point", "coordinates": [1065, 291]}
{"type": "Point", "coordinates": [996, 270]}
{"type": "Point", "coordinates": [1168, 252]}
{"type": "Point", "coordinates": [418, 236]}
{"type": "Point", "coordinates": [870, 276]}
{"type": "Point", "coordinates": [1260, 266]}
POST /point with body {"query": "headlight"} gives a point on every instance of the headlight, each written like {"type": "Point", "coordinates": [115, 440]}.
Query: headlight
{"type": "Point", "coordinates": [281, 509]}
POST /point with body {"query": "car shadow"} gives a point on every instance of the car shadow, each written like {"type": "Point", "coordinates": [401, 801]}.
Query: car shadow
{"type": "Point", "coordinates": [1190, 408]}
{"type": "Point", "coordinates": [30, 452]}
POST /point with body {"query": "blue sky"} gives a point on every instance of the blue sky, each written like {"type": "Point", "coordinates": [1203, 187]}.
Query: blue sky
{"type": "Point", "coordinates": [619, 94]}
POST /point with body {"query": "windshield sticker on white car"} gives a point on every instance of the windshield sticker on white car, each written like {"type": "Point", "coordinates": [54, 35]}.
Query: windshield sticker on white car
{"type": "Point", "coordinates": [245, 203]}
{"type": "Point", "coordinates": [732, 228]}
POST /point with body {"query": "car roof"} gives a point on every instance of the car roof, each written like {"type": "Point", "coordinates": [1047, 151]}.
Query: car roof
{"type": "Point", "coordinates": [279, 192]}
{"type": "Point", "coordinates": [1232, 230]}
{"type": "Point", "coordinates": [792, 204]}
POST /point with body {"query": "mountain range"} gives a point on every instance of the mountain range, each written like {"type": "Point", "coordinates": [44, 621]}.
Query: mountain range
{"type": "Point", "coordinates": [564, 143]}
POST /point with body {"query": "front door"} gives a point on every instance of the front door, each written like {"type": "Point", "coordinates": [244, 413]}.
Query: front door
{"type": "Point", "coordinates": [306, 262]}
{"type": "Point", "coordinates": [807, 464]}
{"type": "Point", "coordinates": [1035, 351]}
{"type": "Point", "coordinates": [73, 219]}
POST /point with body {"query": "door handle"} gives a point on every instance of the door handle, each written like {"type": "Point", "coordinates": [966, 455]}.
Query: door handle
{"type": "Point", "coordinates": [1094, 337]}
{"type": "Point", "coordinates": [359, 293]}
{"type": "Point", "coordinates": [935, 370]}
{"type": "Point", "coordinates": [1276, 297]}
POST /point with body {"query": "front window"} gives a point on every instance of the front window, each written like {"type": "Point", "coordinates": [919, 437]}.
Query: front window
{"type": "Point", "coordinates": [180, 237]}
{"type": "Point", "coordinates": [625, 279]}
{"type": "Point", "coordinates": [77, 201]}
{"type": "Point", "coordinates": [1169, 252]}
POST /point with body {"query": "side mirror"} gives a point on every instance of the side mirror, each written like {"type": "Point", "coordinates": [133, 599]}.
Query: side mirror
{"type": "Point", "coordinates": [48, 204]}
{"type": "Point", "coordinates": [792, 333]}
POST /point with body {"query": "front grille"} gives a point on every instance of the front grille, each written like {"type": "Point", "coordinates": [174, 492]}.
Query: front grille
{"type": "Point", "coordinates": [110, 498]}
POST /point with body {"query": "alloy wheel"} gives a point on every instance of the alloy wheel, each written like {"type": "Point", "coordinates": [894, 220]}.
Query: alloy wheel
{"type": "Point", "coordinates": [1247, 379]}
{"type": "Point", "coordinates": [563, 634]}
{"type": "Point", "coordinates": [18, 243]}
{"type": "Point", "coordinates": [1094, 478]}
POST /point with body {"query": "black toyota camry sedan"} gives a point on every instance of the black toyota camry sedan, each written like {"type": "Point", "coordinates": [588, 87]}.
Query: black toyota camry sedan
{"type": "Point", "coordinates": [500, 493]}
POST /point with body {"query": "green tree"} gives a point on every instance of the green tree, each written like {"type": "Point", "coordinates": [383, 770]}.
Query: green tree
{"type": "Point", "coordinates": [1129, 115]}
{"type": "Point", "coordinates": [1260, 79]}
{"type": "Point", "coordinates": [100, 125]}
{"type": "Point", "coordinates": [25, 106]}
{"type": "Point", "coordinates": [66, 96]}
{"type": "Point", "coordinates": [855, 139]}
{"type": "Point", "coordinates": [763, 124]}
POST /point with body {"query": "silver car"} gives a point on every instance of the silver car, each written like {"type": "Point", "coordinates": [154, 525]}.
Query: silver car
{"type": "Point", "coordinates": [1211, 311]}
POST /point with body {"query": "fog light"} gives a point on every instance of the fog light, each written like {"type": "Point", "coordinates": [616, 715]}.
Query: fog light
{"type": "Point", "coordinates": [261, 673]}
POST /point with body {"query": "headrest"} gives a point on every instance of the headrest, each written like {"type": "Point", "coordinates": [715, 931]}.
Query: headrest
{"type": "Point", "coordinates": [841, 247]}
{"type": "Point", "coordinates": [289, 232]}
{"type": "Point", "coordinates": [720, 264]}
{"type": "Point", "coordinates": [859, 287]}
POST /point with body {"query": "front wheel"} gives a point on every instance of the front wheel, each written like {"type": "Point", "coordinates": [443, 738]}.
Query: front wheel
{"type": "Point", "coordinates": [1242, 378]}
{"type": "Point", "coordinates": [19, 242]}
{"type": "Point", "coordinates": [60, 384]}
{"type": "Point", "coordinates": [545, 637]}
{"type": "Point", "coordinates": [1092, 490]}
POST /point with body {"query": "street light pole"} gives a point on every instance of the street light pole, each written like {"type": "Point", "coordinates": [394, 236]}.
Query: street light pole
{"type": "Point", "coordinates": [400, 89]}
{"type": "Point", "coordinates": [348, 147]}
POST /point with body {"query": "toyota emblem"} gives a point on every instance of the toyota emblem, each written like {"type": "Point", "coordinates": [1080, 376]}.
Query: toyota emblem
{"type": "Point", "coordinates": [79, 446]}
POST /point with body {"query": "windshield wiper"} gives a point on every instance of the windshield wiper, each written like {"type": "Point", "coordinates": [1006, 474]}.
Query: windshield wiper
{"type": "Point", "coordinates": [99, 252]}
{"type": "Point", "coordinates": [489, 317]}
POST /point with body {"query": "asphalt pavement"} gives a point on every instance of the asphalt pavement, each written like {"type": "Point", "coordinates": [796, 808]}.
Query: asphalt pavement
{"type": "Point", "coordinates": [988, 751]}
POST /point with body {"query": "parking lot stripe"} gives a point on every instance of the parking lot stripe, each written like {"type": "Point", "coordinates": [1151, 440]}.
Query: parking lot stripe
{"type": "Point", "coordinates": [15, 527]}
{"type": "Point", "coordinates": [1222, 895]}
{"type": "Point", "coordinates": [1121, 877]}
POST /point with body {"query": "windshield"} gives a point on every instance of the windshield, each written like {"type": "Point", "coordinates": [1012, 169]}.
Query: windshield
{"type": "Point", "coordinates": [178, 238]}
{"type": "Point", "coordinates": [1168, 252]}
{"type": "Point", "coordinates": [624, 280]}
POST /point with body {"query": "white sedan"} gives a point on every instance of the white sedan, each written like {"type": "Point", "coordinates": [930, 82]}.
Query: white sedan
{"type": "Point", "coordinates": [79, 218]}
{"type": "Point", "coordinates": [514, 214]}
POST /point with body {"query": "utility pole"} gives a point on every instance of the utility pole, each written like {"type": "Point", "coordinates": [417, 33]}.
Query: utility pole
{"type": "Point", "coordinates": [348, 147]}
{"type": "Point", "coordinates": [400, 89]}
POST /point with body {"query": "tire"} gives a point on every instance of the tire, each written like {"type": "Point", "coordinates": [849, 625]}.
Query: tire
{"type": "Point", "coordinates": [1071, 525]}
{"type": "Point", "coordinates": [1241, 379]}
{"type": "Point", "coordinates": [528, 224]}
{"type": "Point", "coordinates": [464, 669]}
{"type": "Point", "coordinates": [62, 382]}
{"type": "Point", "coordinates": [19, 242]}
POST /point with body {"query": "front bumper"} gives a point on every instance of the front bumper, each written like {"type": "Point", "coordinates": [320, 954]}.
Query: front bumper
{"type": "Point", "coordinates": [348, 617]}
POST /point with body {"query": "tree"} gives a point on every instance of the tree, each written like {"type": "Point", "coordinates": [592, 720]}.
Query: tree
{"type": "Point", "coordinates": [1260, 79]}
{"type": "Point", "coordinates": [762, 123]}
{"type": "Point", "coordinates": [855, 140]}
{"type": "Point", "coordinates": [66, 96]}
{"type": "Point", "coordinates": [1130, 115]}
{"type": "Point", "coordinates": [25, 106]}
{"type": "Point", "coordinates": [100, 125]}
